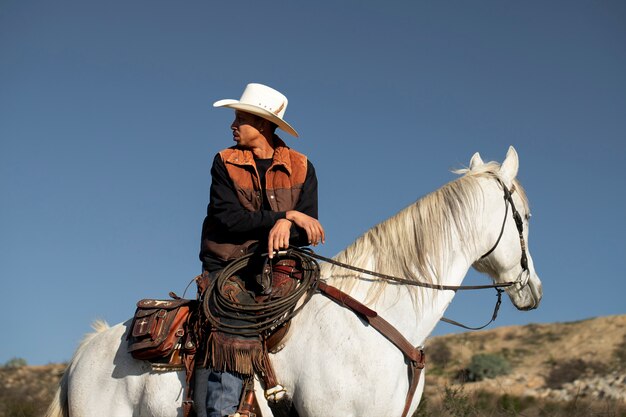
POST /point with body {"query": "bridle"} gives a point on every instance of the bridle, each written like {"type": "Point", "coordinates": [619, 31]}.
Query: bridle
{"type": "Point", "coordinates": [519, 223]}
{"type": "Point", "coordinates": [508, 201]}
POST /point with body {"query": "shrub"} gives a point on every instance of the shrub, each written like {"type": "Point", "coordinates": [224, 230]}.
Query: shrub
{"type": "Point", "coordinates": [571, 370]}
{"type": "Point", "coordinates": [484, 401]}
{"type": "Point", "coordinates": [17, 407]}
{"type": "Point", "coordinates": [456, 402]}
{"type": "Point", "coordinates": [515, 404]}
{"type": "Point", "coordinates": [15, 363]}
{"type": "Point", "coordinates": [620, 354]}
{"type": "Point", "coordinates": [515, 356]}
{"type": "Point", "coordinates": [485, 365]}
{"type": "Point", "coordinates": [439, 353]}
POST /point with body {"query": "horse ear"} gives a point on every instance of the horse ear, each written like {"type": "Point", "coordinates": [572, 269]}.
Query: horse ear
{"type": "Point", "coordinates": [510, 166]}
{"type": "Point", "coordinates": [476, 161]}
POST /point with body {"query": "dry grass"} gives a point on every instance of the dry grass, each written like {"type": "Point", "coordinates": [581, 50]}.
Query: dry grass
{"type": "Point", "coordinates": [27, 391]}
{"type": "Point", "coordinates": [454, 401]}
{"type": "Point", "coordinates": [542, 356]}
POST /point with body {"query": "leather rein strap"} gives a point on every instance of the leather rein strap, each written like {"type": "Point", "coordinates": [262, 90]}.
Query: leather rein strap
{"type": "Point", "coordinates": [498, 287]}
{"type": "Point", "coordinates": [508, 200]}
{"type": "Point", "coordinates": [414, 354]}
{"type": "Point", "coordinates": [310, 253]}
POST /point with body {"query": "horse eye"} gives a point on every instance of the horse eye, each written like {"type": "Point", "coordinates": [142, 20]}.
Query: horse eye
{"type": "Point", "coordinates": [528, 216]}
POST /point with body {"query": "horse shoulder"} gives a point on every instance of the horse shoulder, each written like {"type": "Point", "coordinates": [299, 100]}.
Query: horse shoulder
{"type": "Point", "coordinates": [332, 355]}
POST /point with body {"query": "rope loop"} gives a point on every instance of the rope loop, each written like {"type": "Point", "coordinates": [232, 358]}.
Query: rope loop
{"type": "Point", "coordinates": [262, 316]}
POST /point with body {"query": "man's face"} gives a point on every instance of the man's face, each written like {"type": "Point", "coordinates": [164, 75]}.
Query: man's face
{"type": "Point", "coordinates": [245, 129]}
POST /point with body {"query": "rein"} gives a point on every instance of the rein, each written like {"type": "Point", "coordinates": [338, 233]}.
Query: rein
{"type": "Point", "coordinates": [498, 287]}
{"type": "Point", "coordinates": [508, 200]}
{"type": "Point", "coordinates": [309, 252]}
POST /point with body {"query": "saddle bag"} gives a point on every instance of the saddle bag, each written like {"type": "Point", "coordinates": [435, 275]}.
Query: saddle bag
{"type": "Point", "coordinates": [158, 327]}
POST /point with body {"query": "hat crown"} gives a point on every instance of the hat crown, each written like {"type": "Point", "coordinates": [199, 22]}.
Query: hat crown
{"type": "Point", "coordinates": [266, 98]}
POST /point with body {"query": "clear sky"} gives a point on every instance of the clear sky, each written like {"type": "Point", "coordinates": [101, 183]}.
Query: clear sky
{"type": "Point", "coordinates": [107, 134]}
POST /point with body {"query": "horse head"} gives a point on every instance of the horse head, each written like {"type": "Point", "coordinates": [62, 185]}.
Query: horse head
{"type": "Point", "coordinates": [509, 259]}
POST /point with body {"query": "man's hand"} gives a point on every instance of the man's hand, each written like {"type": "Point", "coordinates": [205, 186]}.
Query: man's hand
{"type": "Point", "coordinates": [279, 237]}
{"type": "Point", "coordinates": [280, 233]}
{"type": "Point", "coordinates": [312, 227]}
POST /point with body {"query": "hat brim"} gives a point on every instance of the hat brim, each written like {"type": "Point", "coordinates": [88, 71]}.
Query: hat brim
{"type": "Point", "coordinates": [258, 111]}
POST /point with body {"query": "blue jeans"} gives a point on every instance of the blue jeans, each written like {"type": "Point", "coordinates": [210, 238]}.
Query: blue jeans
{"type": "Point", "coordinates": [224, 392]}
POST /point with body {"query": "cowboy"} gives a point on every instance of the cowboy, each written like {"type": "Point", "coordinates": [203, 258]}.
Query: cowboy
{"type": "Point", "coordinates": [263, 198]}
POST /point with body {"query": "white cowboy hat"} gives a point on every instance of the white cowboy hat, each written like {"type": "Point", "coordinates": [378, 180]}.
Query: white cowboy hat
{"type": "Point", "coordinates": [262, 101]}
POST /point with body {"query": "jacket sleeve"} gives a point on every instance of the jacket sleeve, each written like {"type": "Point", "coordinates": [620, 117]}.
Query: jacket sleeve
{"type": "Point", "coordinates": [226, 209]}
{"type": "Point", "coordinates": [306, 204]}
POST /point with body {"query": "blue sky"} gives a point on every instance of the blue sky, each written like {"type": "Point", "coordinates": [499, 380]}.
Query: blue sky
{"type": "Point", "coordinates": [107, 135]}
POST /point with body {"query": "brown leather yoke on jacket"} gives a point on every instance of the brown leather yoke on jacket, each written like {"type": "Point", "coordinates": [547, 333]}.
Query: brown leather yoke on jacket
{"type": "Point", "coordinates": [283, 180]}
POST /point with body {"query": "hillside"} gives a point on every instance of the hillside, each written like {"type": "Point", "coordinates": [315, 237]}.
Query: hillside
{"type": "Point", "coordinates": [569, 369]}
{"type": "Point", "coordinates": [578, 364]}
{"type": "Point", "coordinates": [26, 391]}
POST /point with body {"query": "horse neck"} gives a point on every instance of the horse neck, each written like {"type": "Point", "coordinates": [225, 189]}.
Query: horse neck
{"type": "Point", "coordinates": [416, 311]}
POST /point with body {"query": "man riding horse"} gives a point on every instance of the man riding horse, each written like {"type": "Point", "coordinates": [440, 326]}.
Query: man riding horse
{"type": "Point", "coordinates": [263, 198]}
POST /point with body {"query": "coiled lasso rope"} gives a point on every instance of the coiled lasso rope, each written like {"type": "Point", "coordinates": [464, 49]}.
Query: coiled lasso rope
{"type": "Point", "coordinates": [254, 319]}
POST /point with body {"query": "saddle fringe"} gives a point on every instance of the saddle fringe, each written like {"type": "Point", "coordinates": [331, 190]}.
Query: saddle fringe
{"type": "Point", "coordinates": [236, 355]}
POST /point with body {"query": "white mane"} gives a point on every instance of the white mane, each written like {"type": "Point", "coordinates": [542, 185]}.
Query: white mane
{"type": "Point", "coordinates": [414, 243]}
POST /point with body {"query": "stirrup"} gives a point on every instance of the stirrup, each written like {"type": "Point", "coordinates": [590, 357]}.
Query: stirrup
{"type": "Point", "coordinates": [275, 394]}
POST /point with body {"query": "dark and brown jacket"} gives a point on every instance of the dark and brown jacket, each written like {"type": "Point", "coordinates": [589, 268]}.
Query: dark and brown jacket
{"type": "Point", "coordinates": [237, 215]}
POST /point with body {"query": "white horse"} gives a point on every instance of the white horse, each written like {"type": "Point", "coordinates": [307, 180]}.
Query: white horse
{"type": "Point", "coordinates": [333, 362]}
